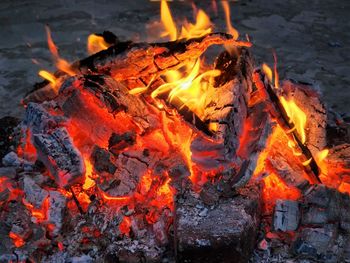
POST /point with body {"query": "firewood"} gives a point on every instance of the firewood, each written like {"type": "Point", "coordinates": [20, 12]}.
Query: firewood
{"type": "Point", "coordinates": [279, 113]}
{"type": "Point", "coordinates": [127, 60]}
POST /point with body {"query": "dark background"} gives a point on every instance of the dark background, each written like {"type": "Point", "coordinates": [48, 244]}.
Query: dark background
{"type": "Point", "coordinates": [311, 37]}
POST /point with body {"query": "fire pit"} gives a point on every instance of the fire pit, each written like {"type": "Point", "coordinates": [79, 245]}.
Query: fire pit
{"type": "Point", "coordinates": [144, 152]}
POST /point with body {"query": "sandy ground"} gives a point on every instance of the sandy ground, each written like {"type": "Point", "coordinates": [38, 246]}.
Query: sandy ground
{"type": "Point", "coordinates": [311, 38]}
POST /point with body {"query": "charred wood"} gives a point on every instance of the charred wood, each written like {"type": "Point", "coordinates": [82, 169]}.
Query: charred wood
{"type": "Point", "coordinates": [127, 60]}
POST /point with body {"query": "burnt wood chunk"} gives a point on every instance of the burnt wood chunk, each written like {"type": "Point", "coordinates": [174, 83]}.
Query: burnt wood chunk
{"type": "Point", "coordinates": [118, 142]}
{"type": "Point", "coordinates": [286, 215]}
{"type": "Point", "coordinates": [101, 159]}
{"type": "Point", "coordinates": [57, 151]}
{"type": "Point", "coordinates": [222, 232]}
{"type": "Point", "coordinates": [316, 243]}
{"type": "Point", "coordinates": [54, 146]}
{"type": "Point", "coordinates": [34, 194]}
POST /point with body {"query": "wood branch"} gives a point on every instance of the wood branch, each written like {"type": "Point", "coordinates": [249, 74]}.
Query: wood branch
{"type": "Point", "coordinates": [127, 60]}
{"type": "Point", "coordinates": [279, 113]}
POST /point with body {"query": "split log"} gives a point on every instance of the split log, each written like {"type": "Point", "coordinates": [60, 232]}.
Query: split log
{"type": "Point", "coordinates": [277, 110]}
{"type": "Point", "coordinates": [240, 130]}
{"type": "Point", "coordinates": [127, 60]}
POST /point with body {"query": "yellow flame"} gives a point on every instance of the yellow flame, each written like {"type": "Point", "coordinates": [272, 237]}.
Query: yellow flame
{"type": "Point", "coordinates": [268, 71]}
{"type": "Point", "coordinates": [296, 116]}
{"type": "Point", "coordinates": [307, 162]}
{"type": "Point", "coordinates": [89, 182]}
{"type": "Point", "coordinates": [292, 145]}
{"type": "Point", "coordinates": [319, 158]}
{"type": "Point", "coordinates": [201, 27]}
{"type": "Point", "coordinates": [96, 43]}
{"type": "Point", "coordinates": [190, 89]}
{"type": "Point", "coordinates": [168, 22]}
{"type": "Point", "coordinates": [48, 76]}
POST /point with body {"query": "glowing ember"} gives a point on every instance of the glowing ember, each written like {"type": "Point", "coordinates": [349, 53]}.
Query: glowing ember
{"type": "Point", "coordinates": [16, 239]}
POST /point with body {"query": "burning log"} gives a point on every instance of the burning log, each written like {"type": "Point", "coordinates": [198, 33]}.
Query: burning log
{"type": "Point", "coordinates": [279, 112]}
{"type": "Point", "coordinates": [127, 60]}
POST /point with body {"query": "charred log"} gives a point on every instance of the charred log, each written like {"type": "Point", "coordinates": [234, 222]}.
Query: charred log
{"type": "Point", "coordinates": [127, 60]}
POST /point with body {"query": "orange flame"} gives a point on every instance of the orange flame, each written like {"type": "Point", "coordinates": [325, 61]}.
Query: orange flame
{"type": "Point", "coordinates": [61, 64]}
{"type": "Point", "coordinates": [230, 29]}
{"type": "Point", "coordinates": [320, 160]}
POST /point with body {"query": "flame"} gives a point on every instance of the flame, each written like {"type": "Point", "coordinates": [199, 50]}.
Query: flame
{"type": "Point", "coordinates": [191, 89]}
{"type": "Point", "coordinates": [320, 160]}
{"type": "Point", "coordinates": [50, 77]}
{"type": "Point", "coordinates": [268, 71]}
{"type": "Point", "coordinates": [89, 182]}
{"type": "Point", "coordinates": [296, 116]}
{"type": "Point", "coordinates": [202, 26]}
{"type": "Point", "coordinates": [96, 43]}
{"type": "Point", "coordinates": [61, 64]}
{"type": "Point", "coordinates": [168, 22]}
{"type": "Point", "coordinates": [275, 188]}
{"type": "Point", "coordinates": [230, 29]}
{"type": "Point", "coordinates": [277, 79]}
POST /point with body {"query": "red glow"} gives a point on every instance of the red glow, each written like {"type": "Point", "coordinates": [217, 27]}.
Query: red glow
{"type": "Point", "coordinates": [16, 239]}
{"type": "Point", "coordinates": [125, 225]}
